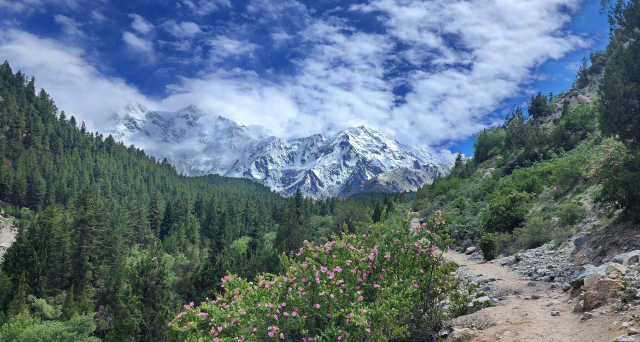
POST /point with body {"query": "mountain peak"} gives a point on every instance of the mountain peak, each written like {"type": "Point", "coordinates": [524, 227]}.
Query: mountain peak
{"type": "Point", "coordinates": [197, 142]}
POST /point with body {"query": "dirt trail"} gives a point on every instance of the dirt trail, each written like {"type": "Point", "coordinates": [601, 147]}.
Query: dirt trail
{"type": "Point", "coordinates": [520, 319]}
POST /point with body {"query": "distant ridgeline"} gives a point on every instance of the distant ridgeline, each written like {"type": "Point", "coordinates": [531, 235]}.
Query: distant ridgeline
{"type": "Point", "coordinates": [112, 242]}
{"type": "Point", "coordinates": [533, 179]}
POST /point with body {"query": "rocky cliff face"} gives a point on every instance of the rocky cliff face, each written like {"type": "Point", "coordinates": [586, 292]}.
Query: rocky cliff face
{"type": "Point", "coordinates": [198, 143]}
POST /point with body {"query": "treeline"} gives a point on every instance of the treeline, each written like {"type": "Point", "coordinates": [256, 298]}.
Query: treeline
{"type": "Point", "coordinates": [524, 185]}
{"type": "Point", "coordinates": [112, 242]}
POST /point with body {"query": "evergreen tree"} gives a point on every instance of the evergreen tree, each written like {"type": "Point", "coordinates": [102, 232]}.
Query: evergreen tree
{"type": "Point", "coordinates": [377, 213]}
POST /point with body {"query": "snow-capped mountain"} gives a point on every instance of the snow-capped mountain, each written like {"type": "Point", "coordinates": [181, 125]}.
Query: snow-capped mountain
{"type": "Point", "coordinates": [198, 143]}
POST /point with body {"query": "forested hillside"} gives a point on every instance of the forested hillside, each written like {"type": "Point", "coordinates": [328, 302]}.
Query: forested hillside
{"type": "Point", "coordinates": [532, 179]}
{"type": "Point", "coordinates": [113, 241]}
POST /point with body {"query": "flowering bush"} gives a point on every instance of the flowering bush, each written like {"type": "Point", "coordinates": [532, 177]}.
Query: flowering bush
{"type": "Point", "coordinates": [373, 287]}
{"type": "Point", "coordinates": [619, 174]}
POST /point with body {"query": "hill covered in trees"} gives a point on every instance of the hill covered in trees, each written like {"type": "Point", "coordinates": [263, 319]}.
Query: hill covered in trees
{"type": "Point", "coordinates": [112, 242]}
{"type": "Point", "coordinates": [532, 179]}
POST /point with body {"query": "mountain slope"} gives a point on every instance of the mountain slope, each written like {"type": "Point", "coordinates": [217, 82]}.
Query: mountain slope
{"type": "Point", "coordinates": [401, 179]}
{"type": "Point", "coordinates": [199, 143]}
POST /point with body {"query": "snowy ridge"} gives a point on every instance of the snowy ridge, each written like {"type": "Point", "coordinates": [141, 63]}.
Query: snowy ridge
{"type": "Point", "coordinates": [198, 143]}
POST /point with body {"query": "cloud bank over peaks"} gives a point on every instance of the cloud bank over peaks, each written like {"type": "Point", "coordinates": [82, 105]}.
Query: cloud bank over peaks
{"type": "Point", "coordinates": [427, 73]}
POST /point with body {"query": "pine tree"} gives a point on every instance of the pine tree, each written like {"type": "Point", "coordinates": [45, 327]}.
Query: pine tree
{"type": "Point", "coordinates": [377, 213]}
{"type": "Point", "coordinates": [18, 304]}
{"type": "Point", "coordinates": [69, 306]}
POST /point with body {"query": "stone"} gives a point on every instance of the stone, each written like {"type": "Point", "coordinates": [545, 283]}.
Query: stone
{"type": "Point", "coordinates": [566, 287]}
{"type": "Point", "coordinates": [624, 338]}
{"type": "Point", "coordinates": [577, 278]}
{"type": "Point", "coordinates": [518, 257]}
{"type": "Point", "coordinates": [583, 99]}
{"type": "Point", "coordinates": [580, 241]}
{"type": "Point", "coordinates": [470, 250]}
{"type": "Point", "coordinates": [613, 267]}
{"type": "Point", "coordinates": [532, 284]}
{"type": "Point", "coordinates": [463, 335]}
{"type": "Point", "coordinates": [600, 292]}
{"type": "Point", "coordinates": [592, 278]}
{"type": "Point", "coordinates": [555, 313]}
{"type": "Point", "coordinates": [579, 307]}
{"type": "Point", "coordinates": [632, 331]}
{"type": "Point", "coordinates": [488, 280]}
{"type": "Point", "coordinates": [482, 300]}
{"type": "Point", "coordinates": [627, 258]}
{"type": "Point", "coordinates": [586, 316]}
{"type": "Point", "coordinates": [536, 296]}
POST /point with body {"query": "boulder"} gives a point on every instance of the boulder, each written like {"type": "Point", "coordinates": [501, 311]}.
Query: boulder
{"type": "Point", "coordinates": [577, 278]}
{"type": "Point", "coordinates": [592, 278]}
{"type": "Point", "coordinates": [470, 250]}
{"type": "Point", "coordinates": [627, 258]}
{"type": "Point", "coordinates": [583, 99]}
{"type": "Point", "coordinates": [598, 294]}
{"type": "Point", "coordinates": [624, 338]}
{"type": "Point", "coordinates": [462, 335]}
{"type": "Point", "coordinates": [586, 316]}
{"type": "Point", "coordinates": [580, 241]}
{"type": "Point", "coordinates": [613, 267]}
{"type": "Point", "coordinates": [566, 287]}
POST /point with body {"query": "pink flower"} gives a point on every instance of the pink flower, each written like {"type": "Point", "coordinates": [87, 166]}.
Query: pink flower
{"type": "Point", "coordinates": [360, 298]}
{"type": "Point", "coordinates": [317, 306]}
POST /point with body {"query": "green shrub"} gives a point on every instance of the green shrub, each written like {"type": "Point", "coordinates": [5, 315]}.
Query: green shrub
{"type": "Point", "coordinates": [489, 246]}
{"type": "Point", "coordinates": [570, 214]}
{"type": "Point", "coordinates": [619, 175]}
{"type": "Point", "coordinates": [346, 289]}
{"type": "Point", "coordinates": [507, 212]}
{"type": "Point", "coordinates": [535, 233]}
{"type": "Point", "coordinates": [459, 202]}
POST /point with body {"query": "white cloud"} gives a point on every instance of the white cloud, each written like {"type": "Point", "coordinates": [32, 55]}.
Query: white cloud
{"type": "Point", "coordinates": [137, 43]}
{"type": "Point", "coordinates": [29, 6]}
{"type": "Point", "coordinates": [140, 24]}
{"type": "Point", "coordinates": [280, 36]}
{"type": "Point", "coordinates": [205, 7]}
{"type": "Point", "coordinates": [69, 25]}
{"type": "Point", "coordinates": [223, 47]}
{"type": "Point", "coordinates": [76, 86]}
{"type": "Point", "coordinates": [97, 15]}
{"type": "Point", "coordinates": [182, 30]}
{"type": "Point", "coordinates": [460, 59]}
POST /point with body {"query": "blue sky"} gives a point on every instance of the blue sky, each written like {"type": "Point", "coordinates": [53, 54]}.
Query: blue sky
{"type": "Point", "coordinates": [429, 73]}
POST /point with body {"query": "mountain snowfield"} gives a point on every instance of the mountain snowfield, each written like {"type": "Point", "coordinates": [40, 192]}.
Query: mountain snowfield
{"type": "Point", "coordinates": [199, 143]}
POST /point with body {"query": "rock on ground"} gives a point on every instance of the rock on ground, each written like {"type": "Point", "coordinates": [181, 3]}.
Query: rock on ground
{"type": "Point", "coordinates": [462, 335]}
{"type": "Point", "coordinates": [598, 294]}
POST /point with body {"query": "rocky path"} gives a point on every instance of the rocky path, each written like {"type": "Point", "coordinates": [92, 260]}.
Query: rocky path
{"type": "Point", "coordinates": [524, 311]}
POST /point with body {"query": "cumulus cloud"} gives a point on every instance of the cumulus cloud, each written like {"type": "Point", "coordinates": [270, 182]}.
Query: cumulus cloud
{"type": "Point", "coordinates": [76, 86]}
{"type": "Point", "coordinates": [97, 15]}
{"type": "Point", "coordinates": [205, 7]}
{"type": "Point", "coordinates": [137, 43]}
{"type": "Point", "coordinates": [69, 25]}
{"type": "Point", "coordinates": [457, 61]}
{"type": "Point", "coordinates": [140, 24]}
{"type": "Point", "coordinates": [29, 6]}
{"type": "Point", "coordinates": [223, 47]}
{"type": "Point", "coordinates": [182, 30]}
